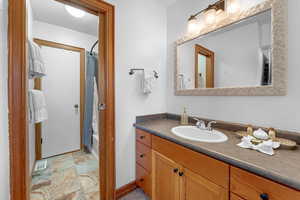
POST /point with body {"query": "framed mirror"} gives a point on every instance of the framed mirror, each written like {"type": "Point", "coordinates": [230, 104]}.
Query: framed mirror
{"type": "Point", "coordinates": [244, 54]}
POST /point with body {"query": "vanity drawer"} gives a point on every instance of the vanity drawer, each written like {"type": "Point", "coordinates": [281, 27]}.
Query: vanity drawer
{"type": "Point", "coordinates": [253, 187]}
{"type": "Point", "coordinates": [143, 179]}
{"type": "Point", "coordinates": [143, 156]}
{"type": "Point", "coordinates": [143, 137]}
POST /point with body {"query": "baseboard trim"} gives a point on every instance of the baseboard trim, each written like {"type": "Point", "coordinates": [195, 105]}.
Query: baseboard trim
{"type": "Point", "coordinates": [122, 191]}
{"type": "Point", "coordinates": [31, 173]}
{"type": "Point", "coordinates": [32, 168]}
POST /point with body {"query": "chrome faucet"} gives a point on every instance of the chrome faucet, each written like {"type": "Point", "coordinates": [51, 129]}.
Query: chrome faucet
{"type": "Point", "coordinates": [201, 124]}
{"type": "Point", "coordinates": [209, 127]}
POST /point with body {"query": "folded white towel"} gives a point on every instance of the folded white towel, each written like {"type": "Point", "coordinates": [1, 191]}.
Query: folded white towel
{"type": "Point", "coordinates": [148, 81]}
{"type": "Point", "coordinates": [265, 147]}
{"type": "Point", "coordinates": [37, 105]}
{"type": "Point", "coordinates": [36, 62]}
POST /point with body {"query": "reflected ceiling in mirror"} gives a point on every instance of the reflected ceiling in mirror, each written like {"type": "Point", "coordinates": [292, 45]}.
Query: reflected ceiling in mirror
{"type": "Point", "coordinates": [238, 55]}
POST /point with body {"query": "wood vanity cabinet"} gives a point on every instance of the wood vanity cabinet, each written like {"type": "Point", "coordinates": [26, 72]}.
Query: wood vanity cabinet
{"type": "Point", "coordinates": [178, 180]}
{"type": "Point", "coordinates": [168, 171]}
{"type": "Point", "coordinates": [195, 187]}
{"type": "Point", "coordinates": [172, 181]}
{"type": "Point", "coordinates": [250, 186]}
{"type": "Point", "coordinates": [143, 161]}
{"type": "Point", "coordinates": [165, 178]}
{"type": "Point", "coordinates": [235, 197]}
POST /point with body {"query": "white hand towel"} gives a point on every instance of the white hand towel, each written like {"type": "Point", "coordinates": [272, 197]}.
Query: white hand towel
{"type": "Point", "coordinates": [265, 147]}
{"type": "Point", "coordinates": [148, 81]}
{"type": "Point", "coordinates": [95, 108]}
{"type": "Point", "coordinates": [36, 62]}
{"type": "Point", "coordinates": [37, 105]}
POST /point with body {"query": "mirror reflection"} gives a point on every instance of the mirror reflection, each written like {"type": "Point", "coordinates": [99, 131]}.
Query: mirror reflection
{"type": "Point", "coordinates": [238, 55]}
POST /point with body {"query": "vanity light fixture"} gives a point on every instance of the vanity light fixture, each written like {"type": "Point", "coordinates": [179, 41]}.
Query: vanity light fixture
{"type": "Point", "coordinates": [210, 14]}
{"type": "Point", "coordinates": [75, 12]}
{"type": "Point", "coordinates": [233, 6]}
{"type": "Point", "coordinates": [192, 25]}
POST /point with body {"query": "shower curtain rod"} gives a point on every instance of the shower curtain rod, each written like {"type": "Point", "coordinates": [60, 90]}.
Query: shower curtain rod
{"type": "Point", "coordinates": [92, 49]}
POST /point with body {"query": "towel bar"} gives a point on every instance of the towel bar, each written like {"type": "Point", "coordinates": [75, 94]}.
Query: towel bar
{"type": "Point", "coordinates": [132, 71]}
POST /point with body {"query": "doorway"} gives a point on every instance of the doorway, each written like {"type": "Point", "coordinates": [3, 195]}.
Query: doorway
{"type": "Point", "coordinates": [18, 90]}
{"type": "Point", "coordinates": [204, 67]}
{"type": "Point", "coordinates": [66, 99]}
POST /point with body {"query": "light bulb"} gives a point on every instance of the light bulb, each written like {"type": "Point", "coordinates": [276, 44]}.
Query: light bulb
{"type": "Point", "coordinates": [75, 12]}
{"type": "Point", "coordinates": [233, 6]}
{"type": "Point", "coordinates": [193, 26]}
{"type": "Point", "coordinates": [210, 16]}
{"type": "Point", "coordinates": [220, 15]}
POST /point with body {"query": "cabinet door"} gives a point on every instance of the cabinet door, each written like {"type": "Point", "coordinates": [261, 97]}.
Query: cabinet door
{"type": "Point", "coordinates": [195, 187]}
{"type": "Point", "coordinates": [165, 178]}
{"type": "Point", "coordinates": [235, 197]}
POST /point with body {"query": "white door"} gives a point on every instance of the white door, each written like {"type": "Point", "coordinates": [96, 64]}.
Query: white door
{"type": "Point", "coordinates": [61, 85]}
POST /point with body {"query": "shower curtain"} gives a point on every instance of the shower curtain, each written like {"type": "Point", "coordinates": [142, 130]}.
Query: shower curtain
{"type": "Point", "coordinates": [91, 72]}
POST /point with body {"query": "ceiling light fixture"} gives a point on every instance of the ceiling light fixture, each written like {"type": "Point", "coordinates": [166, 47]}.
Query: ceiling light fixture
{"type": "Point", "coordinates": [75, 12]}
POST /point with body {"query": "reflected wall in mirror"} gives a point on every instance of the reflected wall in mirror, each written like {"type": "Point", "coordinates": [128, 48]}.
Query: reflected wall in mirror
{"type": "Point", "coordinates": [244, 54]}
{"type": "Point", "coordinates": [236, 56]}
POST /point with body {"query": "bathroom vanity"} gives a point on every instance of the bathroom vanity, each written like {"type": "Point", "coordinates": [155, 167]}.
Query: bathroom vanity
{"type": "Point", "coordinates": [169, 167]}
{"type": "Point", "coordinates": [242, 53]}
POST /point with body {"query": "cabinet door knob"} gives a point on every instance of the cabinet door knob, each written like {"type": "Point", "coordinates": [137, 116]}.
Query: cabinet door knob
{"type": "Point", "coordinates": [181, 173]}
{"type": "Point", "coordinates": [264, 196]}
{"type": "Point", "coordinates": [175, 170]}
{"type": "Point", "coordinates": [142, 137]}
{"type": "Point", "coordinates": [141, 179]}
{"type": "Point", "coordinates": [142, 155]}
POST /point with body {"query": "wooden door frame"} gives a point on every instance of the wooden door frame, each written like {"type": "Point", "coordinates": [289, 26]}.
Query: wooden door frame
{"type": "Point", "coordinates": [38, 86]}
{"type": "Point", "coordinates": [18, 91]}
{"type": "Point", "coordinates": [209, 66]}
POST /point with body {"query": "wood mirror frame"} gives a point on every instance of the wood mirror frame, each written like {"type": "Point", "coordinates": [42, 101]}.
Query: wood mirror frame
{"type": "Point", "coordinates": [279, 13]}
{"type": "Point", "coordinates": [17, 96]}
{"type": "Point", "coordinates": [209, 68]}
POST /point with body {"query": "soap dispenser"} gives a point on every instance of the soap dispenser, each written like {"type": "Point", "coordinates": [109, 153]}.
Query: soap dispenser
{"type": "Point", "coordinates": [250, 130]}
{"type": "Point", "coordinates": [184, 118]}
{"type": "Point", "coordinates": [272, 133]}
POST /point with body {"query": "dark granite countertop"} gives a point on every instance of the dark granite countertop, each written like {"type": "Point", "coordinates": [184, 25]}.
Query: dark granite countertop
{"type": "Point", "coordinates": [283, 167]}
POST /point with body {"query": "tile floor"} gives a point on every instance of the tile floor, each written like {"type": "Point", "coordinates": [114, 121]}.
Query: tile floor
{"type": "Point", "coordinates": [135, 195]}
{"type": "Point", "coordinates": [71, 176]}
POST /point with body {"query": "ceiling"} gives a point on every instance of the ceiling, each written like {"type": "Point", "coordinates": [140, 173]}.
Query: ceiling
{"type": "Point", "coordinates": [53, 12]}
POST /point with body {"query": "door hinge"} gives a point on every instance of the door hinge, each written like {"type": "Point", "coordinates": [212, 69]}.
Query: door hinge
{"type": "Point", "coordinates": [41, 140]}
{"type": "Point", "coordinates": [101, 106]}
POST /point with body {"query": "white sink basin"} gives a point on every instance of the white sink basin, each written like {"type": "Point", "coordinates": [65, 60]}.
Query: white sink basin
{"type": "Point", "coordinates": [195, 134]}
